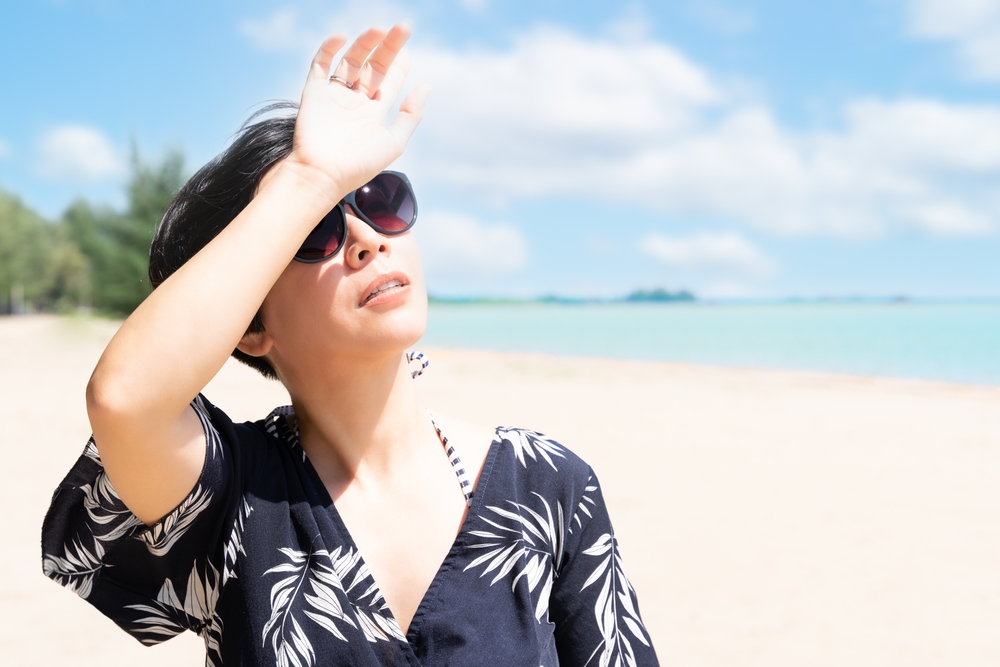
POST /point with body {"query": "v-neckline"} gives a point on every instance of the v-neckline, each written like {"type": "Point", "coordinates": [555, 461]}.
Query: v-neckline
{"type": "Point", "coordinates": [478, 493]}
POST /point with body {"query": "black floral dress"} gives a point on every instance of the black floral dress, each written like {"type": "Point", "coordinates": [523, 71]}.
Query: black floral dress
{"type": "Point", "coordinates": [258, 562]}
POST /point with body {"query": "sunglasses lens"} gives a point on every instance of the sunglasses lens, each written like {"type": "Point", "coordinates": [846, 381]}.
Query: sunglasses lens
{"type": "Point", "coordinates": [388, 202]}
{"type": "Point", "coordinates": [325, 238]}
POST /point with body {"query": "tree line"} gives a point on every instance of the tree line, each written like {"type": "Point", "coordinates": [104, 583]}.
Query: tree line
{"type": "Point", "coordinates": [93, 257]}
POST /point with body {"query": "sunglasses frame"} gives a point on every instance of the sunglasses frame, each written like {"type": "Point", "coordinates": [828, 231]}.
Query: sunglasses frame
{"type": "Point", "coordinates": [351, 199]}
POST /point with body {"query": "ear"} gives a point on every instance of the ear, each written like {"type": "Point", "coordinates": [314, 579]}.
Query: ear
{"type": "Point", "coordinates": [255, 344]}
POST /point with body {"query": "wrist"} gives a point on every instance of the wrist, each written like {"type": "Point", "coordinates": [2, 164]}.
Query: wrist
{"type": "Point", "coordinates": [309, 182]}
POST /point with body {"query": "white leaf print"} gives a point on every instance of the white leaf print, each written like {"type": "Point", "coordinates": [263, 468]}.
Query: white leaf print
{"type": "Point", "coordinates": [109, 520]}
{"type": "Point", "coordinates": [288, 653]}
{"type": "Point", "coordinates": [600, 547]}
{"type": "Point", "coordinates": [596, 574]}
{"type": "Point", "coordinates": [105, 509]}
{"type": "Point", "coordinates": [583, 507]}
{"type": "Point", "coordinates": [213, 441]}
{"type": "Point", "coordinates": [76, 568]}
{"type": "Point", "coordinates": [375, 619]}
{"type": "Point", "coordinates": [201, 595]}
{"type": "Point", "coordinates": [317, 580]}
{"type": "Point", "coordinates": [378, 627]}
{"type": "Point", "coordinates": [90, 451]}
{"type": "Point", "coordinates": [528, 444]}
{"type": "Point", "coordinates": [170, 615]}
{"type": "Point", "coordinates": [527, 543]}
{"type": "Point", "coordinates": [234, 547]}
{"type": "Point", "coordinates": [165, 533]}
{"type": "Point", "coordinates": [327, 605]}
{"type": "Point", "coordinates": [157, 626]}
{"type": "Point", "coordinates": [614, 606]}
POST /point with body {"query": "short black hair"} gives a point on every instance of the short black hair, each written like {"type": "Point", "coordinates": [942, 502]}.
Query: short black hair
{"type": "Point", "coordinates": [216, 194]}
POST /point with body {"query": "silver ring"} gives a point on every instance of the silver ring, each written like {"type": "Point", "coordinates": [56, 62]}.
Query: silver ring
{"type": "Point", "coordinates": [340, 79]}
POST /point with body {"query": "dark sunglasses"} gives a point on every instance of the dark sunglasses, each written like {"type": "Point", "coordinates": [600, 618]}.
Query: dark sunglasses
{"type": "Point", "coordinates": [386, 203]}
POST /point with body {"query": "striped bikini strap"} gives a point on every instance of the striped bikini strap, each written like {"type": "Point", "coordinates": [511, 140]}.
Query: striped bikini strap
{"type": "Point", "coordinates": [456, 463]}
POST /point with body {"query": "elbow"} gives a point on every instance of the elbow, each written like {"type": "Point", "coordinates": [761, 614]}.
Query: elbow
{"type": "Point", "coordinates": [108, 403]}
{"type": "Point", "coordinates": [126, 403]}
{"type": "Point", "coordinates": [99, 402]}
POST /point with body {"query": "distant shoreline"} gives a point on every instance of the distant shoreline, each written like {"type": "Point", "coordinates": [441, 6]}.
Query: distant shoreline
{"type": "Point", "coordinates": [658, 295]}
{"type": "Point", "coordinates": [694, 300]}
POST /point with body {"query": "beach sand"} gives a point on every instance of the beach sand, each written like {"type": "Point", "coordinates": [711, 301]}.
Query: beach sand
{"type": "Point", "coordinates": [765, 517]}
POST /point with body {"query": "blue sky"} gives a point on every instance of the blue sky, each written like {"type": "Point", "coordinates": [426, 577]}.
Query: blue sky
{"type": "Point", "coordinates": [739, 149]}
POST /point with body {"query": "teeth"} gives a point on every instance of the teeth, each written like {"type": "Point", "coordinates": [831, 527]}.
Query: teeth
{"type": "Point", "coordinates": [385, 286]}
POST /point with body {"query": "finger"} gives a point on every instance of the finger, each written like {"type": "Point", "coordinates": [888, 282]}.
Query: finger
{"type": "Point", "coordinates": [380, 61]}
{"type": "Point", "coordinates": [393, 81]}
{"type": "Point", "coordinates": [320, 67]}
{"type": "Point", "coordinates": [411, 112]}
{"type": "Point", "coordinates": [357, 53]}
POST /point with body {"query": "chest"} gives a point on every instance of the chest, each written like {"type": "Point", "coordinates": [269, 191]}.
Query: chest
{"type": "Point", "coordinates": [404, 531]}
{"type": "Point", "coordinates": [322, 579]}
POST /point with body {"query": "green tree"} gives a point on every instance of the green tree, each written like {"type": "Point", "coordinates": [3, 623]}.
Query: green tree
{"type": "Point", "coordinates": [85, 226]}
{"type": "Point", "coordinates": [27, 272]}
{"type": "Point", "coordinates": [70, 287]}
{"type": "Point", "coordinates": [116, 245]}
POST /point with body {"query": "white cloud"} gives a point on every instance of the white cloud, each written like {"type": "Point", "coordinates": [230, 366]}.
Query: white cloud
{"type": "Point", "coordinates": [633, 23]}
{"type": "Point", "coordinates": [708, 252]}
{"type": "Point", "coordinates": [557, 113]}
{"type": "Point", "coordinates": [948, 218]}
{"type": "Point", "coordinates": [287, 30]}
{"type": "Point", "coordinates": [554, 103]}
{"type": "Point", "coordinates": [77, 152]}
{"type": "Point", "coordinates": [279, 31]}
{"type": "Point", "coordinates": [456, 244]}
{"type": "Point", "coordinates": [721, 17]}
{"type": "Point", "coordinates": [5, 149]}
{"type": "Point", "coordinates": [474, 6]}
{"type": "Point", "coordinates": [973, 26]}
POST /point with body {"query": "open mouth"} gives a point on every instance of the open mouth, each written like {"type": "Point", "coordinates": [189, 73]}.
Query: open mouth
{"type": "Point", "coordinates": [388, 286]}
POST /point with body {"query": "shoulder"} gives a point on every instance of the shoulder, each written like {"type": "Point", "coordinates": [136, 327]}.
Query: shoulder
{"type": "Point", "coordinates": [538, 461]}
{"type": "Point", "coordinates": [531, 447]}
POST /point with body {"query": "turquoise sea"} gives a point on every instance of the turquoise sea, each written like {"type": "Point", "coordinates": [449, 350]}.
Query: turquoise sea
{"type": "Point", "coordinates": [957, 342]}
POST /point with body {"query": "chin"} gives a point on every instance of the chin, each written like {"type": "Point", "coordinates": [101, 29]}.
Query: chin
{"type": "Point", "coordinates": [393, 330]}
{"type": "Point", "coordinates": [407, 325]}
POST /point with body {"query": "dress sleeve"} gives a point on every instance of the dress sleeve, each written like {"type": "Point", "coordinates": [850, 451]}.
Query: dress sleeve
{"type": "Point", "coordinates": [593, 605]}
{"type": "Point", "coordinates": [153, 581]}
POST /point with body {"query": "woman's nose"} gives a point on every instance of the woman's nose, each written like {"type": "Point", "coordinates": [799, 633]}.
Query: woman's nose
{"type": "Point", "coordinates": [363, 242]}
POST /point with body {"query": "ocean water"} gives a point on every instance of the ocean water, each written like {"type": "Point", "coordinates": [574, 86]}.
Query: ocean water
{"type": "Point", "coordinates": [957, 342]}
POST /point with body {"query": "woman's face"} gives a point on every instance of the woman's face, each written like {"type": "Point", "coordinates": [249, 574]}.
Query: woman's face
{"type": "Point", "coordinates": [367, 301]}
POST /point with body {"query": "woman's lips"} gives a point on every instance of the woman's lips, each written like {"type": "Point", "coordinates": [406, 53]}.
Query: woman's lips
{"type": "Point", "coordinates": [385, 289]}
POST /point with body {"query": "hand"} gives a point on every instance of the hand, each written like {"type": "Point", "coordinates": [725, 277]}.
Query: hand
{"type": "Point", "coordinates": [341, 138]}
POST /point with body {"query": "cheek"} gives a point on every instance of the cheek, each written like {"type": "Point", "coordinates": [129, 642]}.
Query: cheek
{"type": "Point", "coordinates": [410, 255]}
{"type": "Point", "coordinates": [303, 300]}
{"type": "Point", "coordinates": [416, 310]}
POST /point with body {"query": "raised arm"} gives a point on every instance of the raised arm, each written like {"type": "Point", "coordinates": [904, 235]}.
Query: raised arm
{"type": "Point", "coordinates": [150, 439]}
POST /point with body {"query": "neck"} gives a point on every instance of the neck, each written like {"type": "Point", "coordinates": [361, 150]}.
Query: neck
{"type": "Point", "coordinates": [358, 420]}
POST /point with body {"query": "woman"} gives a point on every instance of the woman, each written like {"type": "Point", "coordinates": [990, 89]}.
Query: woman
{"type": "Point", "coordinates": [268, 538]}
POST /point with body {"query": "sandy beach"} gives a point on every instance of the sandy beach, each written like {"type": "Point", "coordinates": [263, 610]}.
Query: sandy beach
{"type": "Point", "coordinates": [765, 517]}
